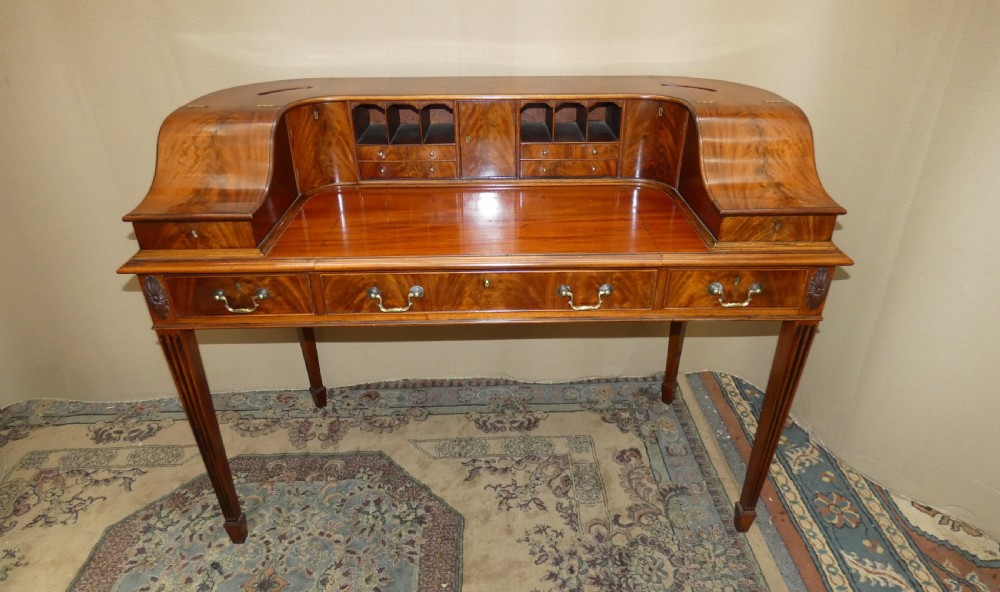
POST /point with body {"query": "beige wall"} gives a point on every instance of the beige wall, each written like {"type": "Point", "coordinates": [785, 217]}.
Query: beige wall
{"type": "Point", "coordinates": [901, 95]}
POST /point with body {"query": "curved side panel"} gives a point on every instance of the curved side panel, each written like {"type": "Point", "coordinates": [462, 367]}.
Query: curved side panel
{"type": "Point", "coordinates": [216, 165]}
{"type": "Point", "coordinates": [749, 172]}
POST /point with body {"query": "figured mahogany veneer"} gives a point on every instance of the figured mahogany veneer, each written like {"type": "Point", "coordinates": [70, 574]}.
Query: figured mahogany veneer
{"type": "Point", "coordinates": [195, 295]}
{"type": "Point", "coordinates": [486, 292]}
{"type": "Point", "coordinates": [467, 200]}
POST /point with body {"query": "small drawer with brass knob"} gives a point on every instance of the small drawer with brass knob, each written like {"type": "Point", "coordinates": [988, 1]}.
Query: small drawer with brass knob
{"type": "Point", "coordinates": [569, 168]}
{"type": "Point", "coordinates": [570, 150]}
{"type": "Point", "coordinates": [382, 153]}
{"type": "Point", "coordinates": [426, 169]}
{"type": "Point", "coordinates": [432, 152]}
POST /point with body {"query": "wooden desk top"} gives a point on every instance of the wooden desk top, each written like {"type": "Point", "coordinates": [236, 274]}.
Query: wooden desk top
{"type": "Point", "coordinates": [478, 221]}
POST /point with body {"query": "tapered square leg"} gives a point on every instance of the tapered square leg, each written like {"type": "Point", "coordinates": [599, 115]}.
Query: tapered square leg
{"type": "Point", "coordinates": [674, 347]}
{"type": "Point", "coordinates": [180, 348]}
{"type": "Point", "coordinates": [789, 360]}
{"type": "Point", "coordinates": [307, 339]}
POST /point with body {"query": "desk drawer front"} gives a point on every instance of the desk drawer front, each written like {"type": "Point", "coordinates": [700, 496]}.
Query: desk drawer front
{"type": "Point", "coordinates": [427, 169]}
{"type": "Point", "coordinates": [571, 151]}
{"type": "Point", "coordinates": [380, 153]}
{"type": "Point", "coordinates": [245, 295]}
{"type": "Point", "coordinates": [432, 152]}
{"type": "Point", "coordinates": [410, 152]}
{"type": "Point", "coordinates": [469, 292]}
{"type": "Point", "coordinates": [703, 288]}
{"type": "Point", "coordinates": [569, 168]}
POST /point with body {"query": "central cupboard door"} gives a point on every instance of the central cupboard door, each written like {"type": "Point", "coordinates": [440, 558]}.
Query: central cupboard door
{"type": "Point", "coordinates": [487, 140]}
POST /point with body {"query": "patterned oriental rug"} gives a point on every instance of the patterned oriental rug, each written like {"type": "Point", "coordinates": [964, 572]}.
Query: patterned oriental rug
{"type": "Point", "coordinates": [483, 485]}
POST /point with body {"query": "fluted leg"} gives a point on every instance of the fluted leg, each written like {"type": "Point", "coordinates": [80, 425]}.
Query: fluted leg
{"type": "Point", "coordinates": [674, 347]}
{"type": "Point", "coordinates": [307, 339]}
{"type": "Point", "coordinates": [789, 360]}
{"type": "Point", "coordinates": [180, 347]}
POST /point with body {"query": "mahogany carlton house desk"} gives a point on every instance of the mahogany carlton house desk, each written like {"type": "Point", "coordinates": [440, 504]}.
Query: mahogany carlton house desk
{"type": "Point", "coordinates": [326, 202]}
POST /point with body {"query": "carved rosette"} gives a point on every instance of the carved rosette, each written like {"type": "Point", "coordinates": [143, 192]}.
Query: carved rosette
{"type": "Point", "coordinates": [818, 286]}
{"type": "Point", "coordinates": [156, 296]}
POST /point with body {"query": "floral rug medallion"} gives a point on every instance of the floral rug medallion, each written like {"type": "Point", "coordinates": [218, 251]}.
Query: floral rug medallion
{"type": "Point", "coordinates": [320, 522]}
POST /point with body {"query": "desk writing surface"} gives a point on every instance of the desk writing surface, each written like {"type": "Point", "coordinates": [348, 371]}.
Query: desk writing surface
{"type": "Point", "coordinates": [484, 221]}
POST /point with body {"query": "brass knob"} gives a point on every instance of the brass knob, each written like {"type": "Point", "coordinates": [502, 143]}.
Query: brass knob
{"type": "Point", "coordinates": [431, 154]}
{"type": "Point", "coordinates": [381, 154]}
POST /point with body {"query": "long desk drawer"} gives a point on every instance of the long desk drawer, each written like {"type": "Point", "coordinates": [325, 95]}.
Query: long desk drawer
{"type": "Point", "coordinates": [260, 295]}
{"type": "Point", "coordinates": [744, 290]}
{"type": "Point", "coordinates": [506, 291]}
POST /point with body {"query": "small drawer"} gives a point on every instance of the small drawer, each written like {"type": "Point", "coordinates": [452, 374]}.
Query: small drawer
{"type": "Point", "coordinates": [380, 153]}
{"type": "Point", "coordinates": [740, 290]}
{"type": "Point", "coordinates": [349, 293]}
{"type": "Point", "coordinates": [570, 151]}
{"type": "Point", "coordinates": [262, 295]}
{"type": "Point", "coordinates": [431, 152]}
{"type": "Point", "coordinates": [569, 168]}
{"type": "Point", "coordinates": [425, 169]}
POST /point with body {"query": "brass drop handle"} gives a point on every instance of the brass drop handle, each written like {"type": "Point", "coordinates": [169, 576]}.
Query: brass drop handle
{"type": "Point", "coordinates": [604, 291]}
{"type": "Point", "coordinates": [415, 292]}
{"type": "Point", "coordinates": [716, 289]}
{"type": "Point", "coordinates": [258, 296]}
